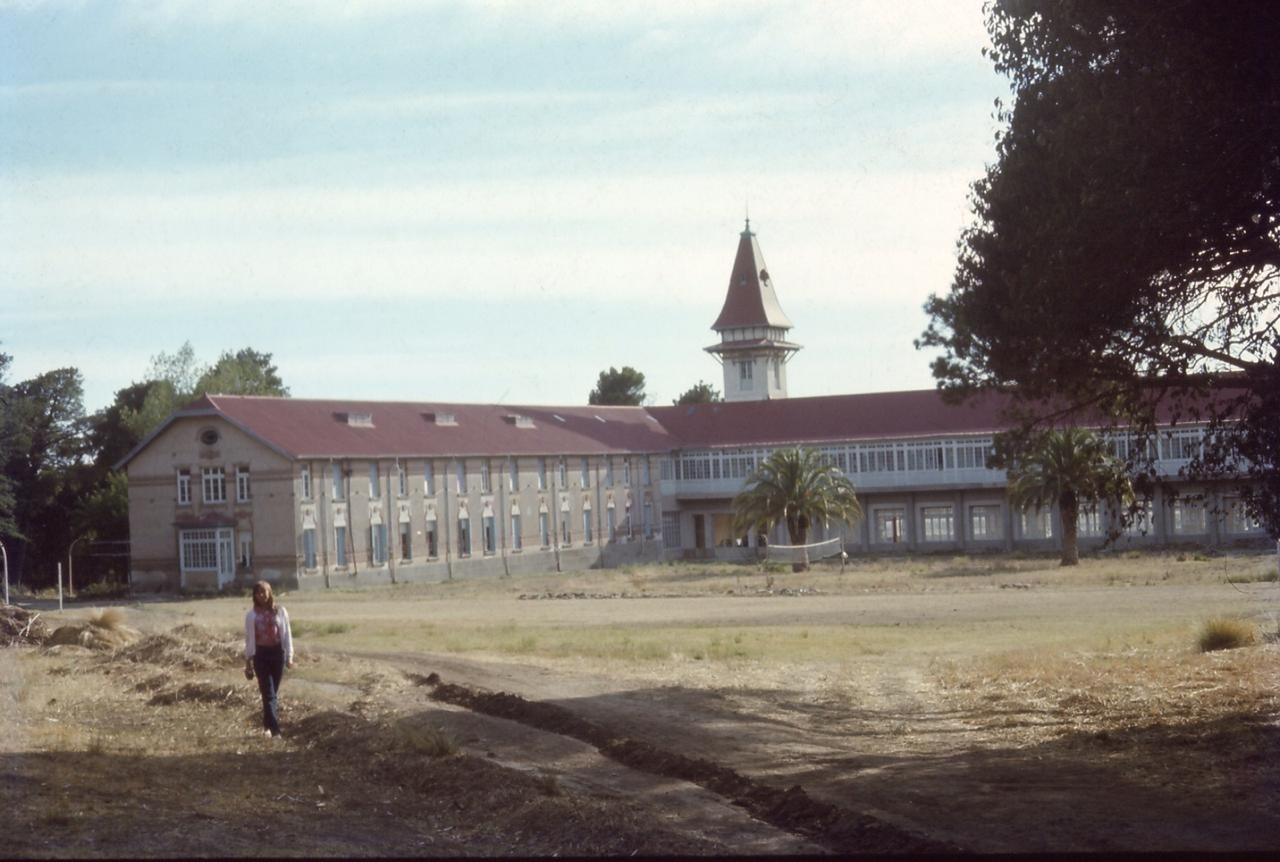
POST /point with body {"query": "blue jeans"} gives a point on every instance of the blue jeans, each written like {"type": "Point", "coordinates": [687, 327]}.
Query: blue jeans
{"type": "Point", "coordinates": [268, 665]}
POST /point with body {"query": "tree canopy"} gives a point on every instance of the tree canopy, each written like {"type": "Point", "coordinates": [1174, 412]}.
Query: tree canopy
{"type": "Point", "coordinates": [1068, 467]}
{"type": "Point", "coordinates": [796, 487]}
{"type": "Point", "coordinates": [699, 393]}
{"type": "Point", "coordinates": [1126, 241]}
{"type": "Point", "coordinates": [625, 386]}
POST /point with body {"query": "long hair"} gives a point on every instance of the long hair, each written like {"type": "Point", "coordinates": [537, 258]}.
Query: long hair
{"type": "Point", "coordinates": [263, 597]}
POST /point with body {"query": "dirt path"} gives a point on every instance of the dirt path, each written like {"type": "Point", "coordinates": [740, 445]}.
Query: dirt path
{"type": "Point", "coordinates": [898, 760]}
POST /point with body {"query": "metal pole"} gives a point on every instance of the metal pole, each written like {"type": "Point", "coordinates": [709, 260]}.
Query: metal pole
{"type": "Point", "coordinates": [71, 588]}
{"type": "Point", "coordinates": [59, 586]}
{"type": "Point", "coordinates": [5, 555]}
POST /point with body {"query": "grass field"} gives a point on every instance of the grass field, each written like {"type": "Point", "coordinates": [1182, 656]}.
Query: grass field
{"type": "Point", "coordinates": [993, 703]}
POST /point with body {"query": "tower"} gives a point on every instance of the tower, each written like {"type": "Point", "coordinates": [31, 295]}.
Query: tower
{"type": "Point", "coordinates": [753, 349]}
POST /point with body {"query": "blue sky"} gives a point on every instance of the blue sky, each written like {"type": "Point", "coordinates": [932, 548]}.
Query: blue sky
{"type": "Point", "coordinates": [486, 202]}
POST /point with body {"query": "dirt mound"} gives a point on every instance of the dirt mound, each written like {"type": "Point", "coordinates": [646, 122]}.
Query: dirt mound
{"type": "Point", "coordinates": [217, 694]}
{"type": "Point", "coordinates": [20, 626]}
{"type": "Point", "coordinates": [187, 646]}
{"type": "Point", "coordinates": [93, 636]}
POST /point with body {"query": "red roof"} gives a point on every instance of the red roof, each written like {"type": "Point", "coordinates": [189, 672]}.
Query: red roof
{"type": "Point", "coordinates": [299, 428]}
{"type": "Point", "coordinates": [828, 418]}
{"type": "Point", "coordinates": [750, 300]}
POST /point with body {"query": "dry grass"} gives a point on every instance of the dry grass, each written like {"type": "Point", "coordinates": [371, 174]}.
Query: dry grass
{"type": "Point", "coordinates": [1222, 633]}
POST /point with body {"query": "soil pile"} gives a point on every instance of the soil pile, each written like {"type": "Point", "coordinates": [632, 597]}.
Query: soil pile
{"type": "Point", "coordinates": [19, 626]}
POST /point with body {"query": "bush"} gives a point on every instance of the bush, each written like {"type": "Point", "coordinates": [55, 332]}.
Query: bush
{"type": "Point", "coordinates": [1226, 633]}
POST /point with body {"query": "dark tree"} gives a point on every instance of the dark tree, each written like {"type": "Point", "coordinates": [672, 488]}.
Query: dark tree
{"type": "Point", "coordinates": [618, 387]}
{"type": "Point", "coordinates": [700, 393]}
{"type": "Point", "coordinates": [1126, 246]}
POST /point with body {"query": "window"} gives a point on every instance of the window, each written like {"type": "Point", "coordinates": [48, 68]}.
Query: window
{"type": "Point", "coordinates": [984, 523]}
{"type": "Point", "coordinates": [562, 468]}
{"type": "Point", "coordinates": [305, 475]}
{"type": "Point", "coordinates": [517, 542]}
{"type": "Point", "coordinates": [375, 481]}
{"type": "Point", "coordinates": [1188, 517]}
{"type": "Point", "coordinates": [890, 525]}
{"type": "Point", "coordinates": [340, 546]}
{"type": "Point", "coordinates": [335, 478]}
{"type": "Point", "coordinates": [378, 544]}
{"type": "Point", "coordinates": [671, 530]}
{"type": "Point", "coordinates": [207, 551]}
{"type": "Point", "coordinates": [648, 519]}
{"type": "Point", "coordinates": [460, 476]}
{"type": "Point", "coordinates": [1088, 521]}
{"type": "Point", "coordinates": [542, 474]}
{"type": "Point", "coordinates": [584, 469]}
{"type": "Point", "coordinates": [566, 536]}
{"type": "Point", "coordinates": [1141, 524]}
{"type": "Point", "coordinates": [433, 540]}
{"type": "Point", "coordinates": [644, 471]}
{"type": "Point", "coordinates": [608, 471]}
{"type": "Point", "coordinates": [184, 487]}
{"type": "Point", "coordinates": [937, 524]}
{"type": "Point", "coordinates": [489, 536]}
{"type": "Point", "coordinates": [626, 470]}
{"type": "Point", "coordinates": [777, 374]}
{"type": "Point", "coordinates": [464, 536]}
{"type": "Point", "coordinates": [402, 480]}
{"type": "Point", "coordinates": [406, 541]}
{"type": "Point", "coordinates": [242, 485]}
{"type": "Point", "coordinates": [745, 372]}
{"type": "Point", "coordinates": [214, 485]}
{"type": "Point", "coordinates": [429, 479]}
{"type": "Point", "coordinates": [309, 548]}
{"type": "Point", "coordinates": [544, 529]}
{"type": "Point", "coordinates": [1238, 519]}
{"type": "Point", "coordinates": [485, 485]}
{"type": "Point", "coordinates": [513, 474]}
{"type": "Point", "coordinates": [611, 524]}
{"type": "Point", "coordinates": [587, 535]}
{"type": "Point", "coordinates": [246, 551]}
{"type": "Point", "coordinates": [1037, 525]}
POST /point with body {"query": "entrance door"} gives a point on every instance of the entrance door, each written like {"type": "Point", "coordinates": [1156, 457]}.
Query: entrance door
{"type": "Point", "coordinates": [699, 531]}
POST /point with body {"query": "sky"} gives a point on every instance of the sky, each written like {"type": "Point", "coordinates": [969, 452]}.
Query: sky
{"type": "Point", "coordinates": [482, 202]}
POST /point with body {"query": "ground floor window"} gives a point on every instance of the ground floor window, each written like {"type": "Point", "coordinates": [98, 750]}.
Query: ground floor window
{"type": "Point", "coordinates": [433, 541]}
{"type": "Point", "coordinates": [566, 536]}
{"type": "Point", "coordinates": [937, 524]}
{"type": "Point", "coordinates": [340, 546]}
{"type": "Point", "coordinates": [611, 524]}
{"type": "Point", "coordinates": [1037, 524]}
{"type": "Point", "coordinates": [309, 548]}
{"type": "Point", "coordinates": [984, 523]}
{"type": "Point", "coordinates": [1089, 521]}
{"type": "Point", "coordinates": [1141, 523]}
{"type": "Point", "coordinates": [517, 541]}
{"type": "Point", "coordinates": [378, 544]}
{"type": "Point", "coordinates": [587, 534]}
{"type": "Point", "coordinates": [490, 534]}
{"type": "Point", "coordinates": [208, 551]}
{"type": "Point", "coordinates": [890, 525]}
{"type": "Point", "coordinates": [1238, 520]}
{"type": "Point", "coordinates": [406, 541]}
{"type": "Point", "coordinates": [648, 519]}
{"type": "Point", "coordinates": [1188, 517]}
{"type": "Point", "coordinates": [671, 530]}
{"type": "Point", "coordinates": [544, 529]}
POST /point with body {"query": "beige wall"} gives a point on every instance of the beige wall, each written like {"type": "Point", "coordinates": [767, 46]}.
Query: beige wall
{"type": "Point", "coordinates": [154, 509]}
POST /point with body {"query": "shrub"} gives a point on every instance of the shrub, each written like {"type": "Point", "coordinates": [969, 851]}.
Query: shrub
{"type": "Point", "coordinates": [1227, 633]}
{"type": "Point", "coordinates": [107, 618]}
{"type": "Point", "coordinates": [426, 739]}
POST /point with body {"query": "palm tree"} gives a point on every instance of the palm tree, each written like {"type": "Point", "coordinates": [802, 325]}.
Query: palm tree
{"type": "Point", "coordinates": [1068, 466]}
{"type": "Point", "coordinates": [795, 486]}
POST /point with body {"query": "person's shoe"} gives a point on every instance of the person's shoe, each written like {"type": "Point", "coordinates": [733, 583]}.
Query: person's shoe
{"type": "Point", "coordinates": [267, 733]}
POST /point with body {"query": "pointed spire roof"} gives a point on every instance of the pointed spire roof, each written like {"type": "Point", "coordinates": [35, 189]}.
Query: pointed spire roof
{"type": "Point", "coordinates": [750, 300]}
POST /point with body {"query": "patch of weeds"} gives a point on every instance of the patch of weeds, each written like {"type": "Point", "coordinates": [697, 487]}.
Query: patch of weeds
{"type": "Point", "coordinates": [426, 739]}
{"type": "Point", "coordinates": [548, 785]}
{"type": "Point", "coordinates": [1221, 633]}
{"type": "Point", "coordinates": [107, 618]}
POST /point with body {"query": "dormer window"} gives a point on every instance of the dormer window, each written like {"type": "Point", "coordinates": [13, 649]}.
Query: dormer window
{"type": "Point", "coordinates": [442, 419]}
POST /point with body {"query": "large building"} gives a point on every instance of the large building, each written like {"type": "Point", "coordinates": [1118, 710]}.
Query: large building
{"type": "Point", "coordinates": [318, 493]}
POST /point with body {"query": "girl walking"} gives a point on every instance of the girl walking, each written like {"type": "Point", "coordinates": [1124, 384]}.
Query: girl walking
{"type": "Point", "coordinates": [268, 650]}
